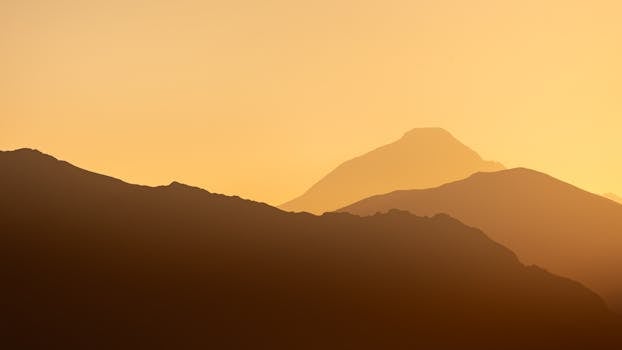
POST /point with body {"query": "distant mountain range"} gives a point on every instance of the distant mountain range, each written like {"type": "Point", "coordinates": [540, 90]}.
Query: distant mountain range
{"type": "Point", "coordinates": [547, 222]}
{"type": "Point", "coordinates": [422, 158]}
{"type": "Point", "coordinates": [90, 262]}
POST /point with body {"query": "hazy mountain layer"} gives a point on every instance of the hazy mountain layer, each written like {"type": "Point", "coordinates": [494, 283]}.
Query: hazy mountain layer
{"type": "Point", "coordinates": [422, 158]}
{"type": "Point", "coordinates": [89, 262]}
{"type": "Point", "coordinates": [547, 222]}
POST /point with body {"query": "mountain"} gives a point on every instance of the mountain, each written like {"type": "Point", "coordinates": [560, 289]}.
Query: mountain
{"type": "Point", "coordinates": [613, 197]}
{"type": "Point", "coordinates": [547, 222]}
{"type": "Point", "coordinates": [88, 261]}
{"type": "Point", "coordinates": [422, 158]}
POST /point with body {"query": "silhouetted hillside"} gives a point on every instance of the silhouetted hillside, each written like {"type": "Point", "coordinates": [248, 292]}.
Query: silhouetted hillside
{"type": "Point", "coordinates": [547, 222]}
{"type": "Point", "coordinates": [613, 197]}
{"type": "Point", "coordinates": [422, 158]}
{"type": "Point", "coordinates": [90, 262]}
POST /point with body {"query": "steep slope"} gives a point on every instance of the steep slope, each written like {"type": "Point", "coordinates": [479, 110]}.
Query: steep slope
{"type": "Point", "coordinates": [422, 158]}
{"type": "Point", "coordinates": [547, 222]}
{"type": "Point", "coordinates": [88, 261]}
{"type": "Point", "coordinates": [613, 197]}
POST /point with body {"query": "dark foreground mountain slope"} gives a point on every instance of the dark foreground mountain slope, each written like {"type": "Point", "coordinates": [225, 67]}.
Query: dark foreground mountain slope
{"type": "Point", "coordinates": [90, 262]}
{"type": "Point", "coordinates": [422, 158]}
{"type": "Point", "coordinates": [545, 221]}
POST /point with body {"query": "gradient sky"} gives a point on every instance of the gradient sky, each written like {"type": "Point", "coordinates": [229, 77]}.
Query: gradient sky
{"type": "Point", "coordinates": [262, 98]}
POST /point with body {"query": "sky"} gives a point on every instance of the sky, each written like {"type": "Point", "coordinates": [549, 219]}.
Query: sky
{"type": "Point", "coordinates": [262, 98]}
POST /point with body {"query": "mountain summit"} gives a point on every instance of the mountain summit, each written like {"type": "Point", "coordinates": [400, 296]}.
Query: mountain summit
{"type": "Point", "coordinates": [422, 158]}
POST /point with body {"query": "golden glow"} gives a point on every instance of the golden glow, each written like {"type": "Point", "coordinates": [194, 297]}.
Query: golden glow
{"type": "Point", "coordinates": [262, 98]}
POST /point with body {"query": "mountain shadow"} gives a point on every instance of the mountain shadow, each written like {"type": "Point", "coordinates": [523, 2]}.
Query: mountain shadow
{"type": "Point", "coordinates": [91, 262]}
{"type": "Point", "coordinates": [547, 222]}
{"type": "Point", "coordinates": [422, 158]}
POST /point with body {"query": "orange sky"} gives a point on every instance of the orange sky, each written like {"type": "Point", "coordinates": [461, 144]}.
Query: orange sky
{"type": "Point", "coordinates": [262, 98]}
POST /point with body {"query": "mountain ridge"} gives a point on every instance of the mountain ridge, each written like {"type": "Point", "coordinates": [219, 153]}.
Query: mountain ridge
{"type": "Point", "coordinates": [421, 158]}
{"type": "Point", "coordinates": [546, 221]}
{"type": "Point", "coordinates": [614, 197]}
{"type": "Point", "coordinates": [89, 262]}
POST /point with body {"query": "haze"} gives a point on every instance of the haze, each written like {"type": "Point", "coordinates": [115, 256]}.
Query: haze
{"type": "Point", "coordinates": [262, 98]}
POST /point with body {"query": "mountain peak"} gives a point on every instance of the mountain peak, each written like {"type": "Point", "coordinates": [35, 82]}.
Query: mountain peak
{"type": "Point", "coordinates": [175, 185]}
{"type": "Point", "coordinates": [422, 158]}
{"type": "Point", "coordinates": [512, 172]}
{"type": "Point", "coordinates": [427, 133]}
{"type": "Point", "coordinates": [31, 156]}
{"type": "Point", "coordinates": [27, 152]}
